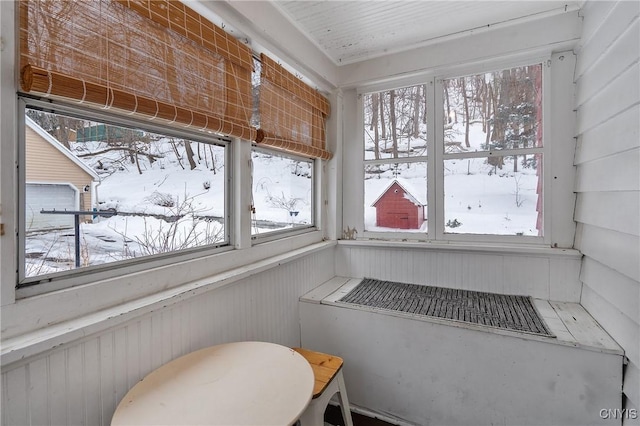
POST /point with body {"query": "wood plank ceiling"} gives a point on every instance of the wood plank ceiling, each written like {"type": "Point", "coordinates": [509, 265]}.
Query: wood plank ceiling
{"type": "Point", "coordinates": [352, 31]}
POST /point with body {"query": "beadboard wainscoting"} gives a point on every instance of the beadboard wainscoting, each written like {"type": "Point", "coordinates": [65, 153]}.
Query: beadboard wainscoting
{"type": "Point", "coordinates": [543, 273]}
{"type": "Point", "coordinates": [82, 381]}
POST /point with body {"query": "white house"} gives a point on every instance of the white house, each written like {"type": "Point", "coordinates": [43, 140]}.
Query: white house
{"type": "Point", "coordinates": [74, 342]}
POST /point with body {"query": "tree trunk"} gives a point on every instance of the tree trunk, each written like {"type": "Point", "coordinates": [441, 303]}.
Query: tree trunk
{"type": "Point", "coordinates": [172, 142]}
{"type": "Point", "coordinates": [416, 113]}
{"type": "Point", "coordinates": [445, 84]}
{"type": "Point", "coordinates": [392, 119]}
{"type": "Point", "coordinates": [488, 101]}
{"type": "Point", "coordinates": [375, 100]}
{"type": "Point", "coordinates": [189, 152]}
{"type": "Point", "coordinates": [383, 127]}
{"type": "Point", "coordinates": [483, 109]}
{"type": "Point", "coordinates": [466, 113]}
{"type": "Point", "coordinates": [424, 116]}
{"type": "Point", "coordinates": [213, 160]}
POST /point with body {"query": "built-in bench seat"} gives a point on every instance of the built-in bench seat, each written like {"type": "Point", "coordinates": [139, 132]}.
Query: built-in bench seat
{"type": "Point", "coordinates": [426, 370]}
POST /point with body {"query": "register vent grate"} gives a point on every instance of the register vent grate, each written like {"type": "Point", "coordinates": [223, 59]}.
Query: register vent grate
{"type": "Point", "coordinates": [495, 310]}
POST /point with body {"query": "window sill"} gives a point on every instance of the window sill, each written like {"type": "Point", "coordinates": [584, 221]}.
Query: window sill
{"type": "Point", "coordinates": [466, 247]}
{"type": "Point", "coordinates": [37, 341]}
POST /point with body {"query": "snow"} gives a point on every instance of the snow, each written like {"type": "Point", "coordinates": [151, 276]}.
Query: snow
{"type": "Point", "coordinates": [479, 198]}
{"type": "Point", "coordinates": [168, 206]}
{"type": "Point", "coordinates": [164, 205]}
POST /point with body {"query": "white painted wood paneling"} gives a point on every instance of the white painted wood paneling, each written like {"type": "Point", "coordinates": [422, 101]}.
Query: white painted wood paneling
{"type": "Point", "coordinates": [617, 289]}
{"type": "Point", "coordinates": [81, 382]}
{"type": "Point", "coordinates": [445, 373]}
{"type": "Point", "coordinates": [603, 209]}
{"type": "Point", "coordinates": [613, 173]}
{"type": "Point", "coordinates": [351, 31]}
{"type": "Point", "coordinates": [618, 134]}
{"type": "Point", "coordinates": [535, 275]}
{"type": "Point", "coordinates": [612, 63]}
{"type": "Point", "coordinates": [618, 250]}
{"type": "Point", "coordinates": [632, 387]}
{"type": "Point", "coordinates": [563, 285]}
{"type": "Point", "coordinates": [593, 19]}
{"type": "Point", "coordinates": [603, 23]}
{"type": "Point", "coordinates": [620, 94]}
{"type": "Point", "coordinates": [623, 330]}
{"type": "Point", "coordinates": [607, 156]}
{"type": "Point", "coordinates": [600, 208]}
{"type": "Point", "coordinates": [8, 135]}
{"type": "Point", "coordinates": [559, 128]}
{"type": "Point", "coordinates": [561, 32]}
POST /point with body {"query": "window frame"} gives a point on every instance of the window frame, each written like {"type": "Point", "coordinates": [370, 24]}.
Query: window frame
{"type": "Point", "coordinates": [282, 233]}
{"type": "Point", "coordinates": [30, 286]}
{"type": "Point", "coordinates": [237, 188]}
{"type": "Point", "coordinates": [436, 155]}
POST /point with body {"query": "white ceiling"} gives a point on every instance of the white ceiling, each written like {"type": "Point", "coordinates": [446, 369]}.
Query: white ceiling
{"type": "Point", "coordinates": [352, 31]}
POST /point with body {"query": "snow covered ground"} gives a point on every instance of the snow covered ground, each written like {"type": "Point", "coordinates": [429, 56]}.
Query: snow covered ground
{"type": "Point", "coordinates": [479, 198]}
{"type": "Point", "coordinates": [166, 206]}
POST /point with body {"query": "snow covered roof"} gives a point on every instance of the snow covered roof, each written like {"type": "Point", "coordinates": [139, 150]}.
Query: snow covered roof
{"type": "Point", "coordinates": [57, 145]}
{"type": "Point", "coordinates": [408, 189]}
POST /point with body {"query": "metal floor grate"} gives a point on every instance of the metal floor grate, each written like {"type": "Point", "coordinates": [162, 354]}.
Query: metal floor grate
{"type": "Point", "coordinates": [496, 310]}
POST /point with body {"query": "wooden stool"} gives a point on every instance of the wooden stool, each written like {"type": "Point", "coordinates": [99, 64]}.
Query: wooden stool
{"type": "Point", "coordinates": [327, 370]}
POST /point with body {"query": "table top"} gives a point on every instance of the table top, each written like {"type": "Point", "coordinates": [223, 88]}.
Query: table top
{"type": "Point", "coordinates": [241, 383]}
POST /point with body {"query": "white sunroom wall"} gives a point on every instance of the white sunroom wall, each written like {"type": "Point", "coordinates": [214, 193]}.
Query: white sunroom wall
{"type": "Point", "coordinates": [82, 381]}
{"type": "Point", "coordinates": [607, 183]}
{"type": "Point", "coordinates": [542, 272]}
{"type": "Point", "coordinates": [69, 356]}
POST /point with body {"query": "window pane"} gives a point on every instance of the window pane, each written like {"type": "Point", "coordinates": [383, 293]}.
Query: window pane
{"type": "Point", "coordinates": [494, 195]}
{"type": "Point", "coordinates": [494, 111]}
{"type": "Point", "coordinates": [395, 197]}
{"type": "Point", "coordinates": [282, 192]}
{"type": "Point", "coordinates": [135, 193]}
{"type": "Point", "coordinates": [395, 123]}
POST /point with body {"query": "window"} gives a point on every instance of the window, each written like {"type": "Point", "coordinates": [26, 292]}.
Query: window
{"type": "Point", "coordinates": [125, 155]}
{"type": "Point", "coordinates": [395, 193]}
{"type": "Point", "coordinates": [486, 159]}
{"type": "Point", "coordinates": [282, 192]}
{"type": "Point", "coordinates": [492, 152]}
{"type": "Point", "coordinates": [96, 193]}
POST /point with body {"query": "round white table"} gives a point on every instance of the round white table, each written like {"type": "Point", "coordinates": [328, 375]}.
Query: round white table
{"type": "Point", "coordinates": [241, 383]}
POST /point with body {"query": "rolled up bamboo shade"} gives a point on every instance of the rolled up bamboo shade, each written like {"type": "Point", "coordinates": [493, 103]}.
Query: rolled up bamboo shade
{"type": "Point", "coordinates": [292, 114]}
{"type": "Point", "coordinates": [155, 58]}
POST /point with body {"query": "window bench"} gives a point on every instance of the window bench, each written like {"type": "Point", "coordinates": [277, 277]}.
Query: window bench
{"type": "Point", "coordinates": [427, 370]}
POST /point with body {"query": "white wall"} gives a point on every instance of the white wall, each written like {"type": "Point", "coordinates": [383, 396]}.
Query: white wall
{"type": "Point", "coordinates": [492, 49]}
{"type": "Point", "coordinates": [82, 381]}
{"type": "Point", "coordinates": [607, 182]}
{"type": "Point", "coordinates": [549, 274]}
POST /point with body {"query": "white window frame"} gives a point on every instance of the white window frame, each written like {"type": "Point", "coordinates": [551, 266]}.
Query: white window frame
{"type": "Point", "coordinates": [282, 233]}
{"type": "Point", "coordinates": [436, 156]}
{"type": "Point", "coordinates": [237, 196]}
{"type": "Point", "coordinates": [30, 286]}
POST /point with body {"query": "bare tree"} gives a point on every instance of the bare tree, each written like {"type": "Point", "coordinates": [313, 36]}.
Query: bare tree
{"type": "Point", "coordinates": [375, 100]}
{"type": "Point", "coordinates": [466, 112]}
{"type": "Point", "coordinates": [416, 112]}
{"type": "Point", "coordinates": [383, 127]}
{"type": "Point", "coordinates": [392, 119]}
{"type": "Point", "coordinates": [189, 153]}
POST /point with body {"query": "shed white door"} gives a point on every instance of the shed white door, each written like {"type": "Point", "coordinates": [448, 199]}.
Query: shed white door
{"type": "Point", "coordinates": [49, 196]}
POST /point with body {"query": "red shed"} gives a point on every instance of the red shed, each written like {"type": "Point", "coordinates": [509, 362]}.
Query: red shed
{"type": "Point", "coordinates": [398, 208]}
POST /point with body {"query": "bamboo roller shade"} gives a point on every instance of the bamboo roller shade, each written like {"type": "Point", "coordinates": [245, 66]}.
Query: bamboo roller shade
{"type": "Point", "coordinates": [292, 114]}
{"type": "Point", "coordinates": [157, 58]}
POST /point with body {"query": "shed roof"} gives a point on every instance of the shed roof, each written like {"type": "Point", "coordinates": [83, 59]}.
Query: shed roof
{"type": "Point", "coordinates": [57, 145]}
